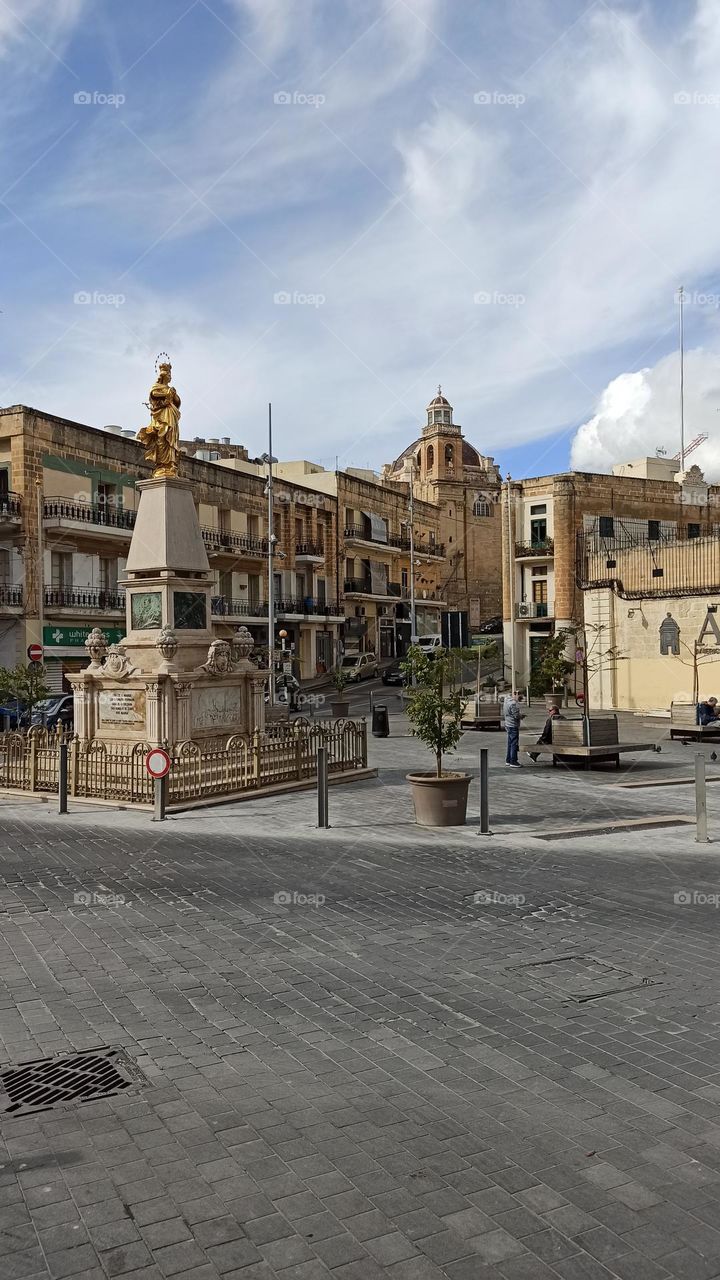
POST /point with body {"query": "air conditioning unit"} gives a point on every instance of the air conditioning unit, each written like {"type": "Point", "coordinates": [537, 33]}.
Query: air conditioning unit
{"type": "Point", "coordinates": [525, 610]}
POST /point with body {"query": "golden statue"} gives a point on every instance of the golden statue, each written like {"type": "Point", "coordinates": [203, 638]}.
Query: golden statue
{"type": "Point", "coordinates": [162, 438]}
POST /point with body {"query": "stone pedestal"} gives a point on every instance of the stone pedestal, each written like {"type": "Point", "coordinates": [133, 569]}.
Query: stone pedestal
{"type": "Point", "coordinates": [169, 680]}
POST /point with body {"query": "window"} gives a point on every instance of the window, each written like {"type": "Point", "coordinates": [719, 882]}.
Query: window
{"type": "Point", "coordinates": [299, 530]}
{"type": "Point", "coordinates": [253, 588]}
{"type": "Point", "coordinates": [449, 456]}
{"type": "Point", "coordinates": [431, 535]}
{"type": "Point", "coordinates": [107, 496]}
{"type": "Point", "coordinates": [108, 573]}
{"type": "Point", "coordinates": [225, 583]}
{"type": "Point", "coordinates": [61, 569]}
{"type": "Point", "coordinates": [253, 526]}
{"type": "Point", "coordinates": [224, 519]}
{"type": "Point", "coordinates": [538, 531]}
{"type": "Point", "coordinates": [320, 587]}
{"type": "Point", "coordinates": [538, 509]}
{"type": "Point", "coordinates": [430, 455]}
{"type": "Point", "coordinates": [606, 526]}
{"type": "Point", "coordinates": [481, 508]}
{"type": "Point", "coordinates": [653, 530]}
{"type": "Point", "coordinates": [4, 565]}
{"type": "Point", "coordinates": [4, 483]}
{"type": "Point", "coordinates": [693, 531]}
{"type": "Point", "coordinates": [404, 579]}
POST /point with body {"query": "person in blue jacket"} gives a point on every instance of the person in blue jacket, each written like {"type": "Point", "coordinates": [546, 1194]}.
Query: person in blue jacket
{"type": "Point", "coordinates": [707, 711]}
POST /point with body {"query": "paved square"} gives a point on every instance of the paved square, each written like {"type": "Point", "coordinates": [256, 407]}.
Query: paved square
{"type": "Point", "coordinates": [370, 1051]}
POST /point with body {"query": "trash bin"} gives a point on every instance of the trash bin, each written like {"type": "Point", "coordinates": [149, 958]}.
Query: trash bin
{"type": "Point", "coordinates": [380, 721]}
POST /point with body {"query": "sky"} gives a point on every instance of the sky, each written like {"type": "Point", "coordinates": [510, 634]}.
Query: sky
{"type": "Point", "coordinates": [336, 205]}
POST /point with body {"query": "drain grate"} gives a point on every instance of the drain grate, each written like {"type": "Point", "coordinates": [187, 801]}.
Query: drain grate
{"type": "Point", "coordinates": [75, 1077]}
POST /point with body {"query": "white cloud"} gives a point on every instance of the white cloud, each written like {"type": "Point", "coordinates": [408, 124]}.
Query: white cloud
{"type": "Point", "coordinates": [640, 412]}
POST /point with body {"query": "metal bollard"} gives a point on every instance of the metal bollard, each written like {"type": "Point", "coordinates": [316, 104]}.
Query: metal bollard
{"type": "Point", "coordinates": [701, 831]}
{"type": "Point", "coordinates": [484, 794]}
{"type": "Point", "coordinates": [159, 801]}
{"type": "Point", "coordinates": [322, 787]}
{"type": "Point", "coordinates": [62, 777]}
{"type": "Point", "coordinates": [527, 694]}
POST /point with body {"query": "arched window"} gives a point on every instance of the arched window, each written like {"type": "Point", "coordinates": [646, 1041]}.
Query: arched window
{"type": "Point", "coordinates": [430, 457]}
{"type": "Point", "coordinates": [449, 456]}
{"type": "Point", "coordinates": [418, 459]}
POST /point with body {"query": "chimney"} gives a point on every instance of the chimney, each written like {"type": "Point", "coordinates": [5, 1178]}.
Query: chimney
{"type": "Point", "coordinates": [114, 431]}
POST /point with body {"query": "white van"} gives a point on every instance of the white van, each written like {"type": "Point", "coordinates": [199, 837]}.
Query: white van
{"type": "Point", "coordinates": [429, 644]}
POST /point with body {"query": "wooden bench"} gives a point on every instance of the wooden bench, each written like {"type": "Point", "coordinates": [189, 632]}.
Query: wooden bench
{"type": "Point", "coordinates": [684, 723]}
{"type": "Point", "coordinates": [477, 714]}
{"type": "Point", "coordinates": [588, 740]}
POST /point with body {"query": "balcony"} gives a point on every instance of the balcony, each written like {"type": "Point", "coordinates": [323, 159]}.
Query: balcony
{"type": "Point", "coordinates": [529, 609]}
{"type": "Point", "coordinates": [222, 542]}
{"type": "Point", "coordinates": [310, 552]}
{"type": "Point", "coordinates": [102, 518]}
{"type": "Point", "coordinates": [540, 549]}
{"type": "Point", "coordinates": [224, 607]}
{"type": "Point", "coordinates": [394, 542]}
{"type": "Point", "coordinates": [10, 508]}
{"type": "Point", "coordinates": [11, 595]}
{"type": "Point", "coordinates": [84, 599]}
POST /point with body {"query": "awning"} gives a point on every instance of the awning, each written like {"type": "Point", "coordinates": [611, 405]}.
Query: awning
{"type": "Point", "coordinates": [378, 527]}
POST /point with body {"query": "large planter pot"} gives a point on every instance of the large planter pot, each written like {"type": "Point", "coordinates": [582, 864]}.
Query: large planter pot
{"type": "Point", "coordinates": [340, 709]}
{"type": "Point", "coordinates": [553, 699]}
{"type": "Point", "coordinates": [440, 802]}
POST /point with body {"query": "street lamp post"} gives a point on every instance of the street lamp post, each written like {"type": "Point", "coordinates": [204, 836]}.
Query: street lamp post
{"type": "Point", "coordinates": [268, 459]}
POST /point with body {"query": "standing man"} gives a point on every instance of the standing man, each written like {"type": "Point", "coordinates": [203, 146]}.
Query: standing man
{"type": "Point", "coordinates": [512, 716]}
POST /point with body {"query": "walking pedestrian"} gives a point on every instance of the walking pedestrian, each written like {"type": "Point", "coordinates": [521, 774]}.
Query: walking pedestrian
{"type": "Point", "coordinates": [512, 715]}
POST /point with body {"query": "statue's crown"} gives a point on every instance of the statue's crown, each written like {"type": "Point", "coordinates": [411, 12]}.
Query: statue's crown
{"type": "Point", "coordinates": [164, 365]}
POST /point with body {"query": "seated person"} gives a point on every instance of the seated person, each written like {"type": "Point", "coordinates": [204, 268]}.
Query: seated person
{"type": "Point", "coordinates": [546, 735]}
{"type": "Point", "coordinates": [707, 711]}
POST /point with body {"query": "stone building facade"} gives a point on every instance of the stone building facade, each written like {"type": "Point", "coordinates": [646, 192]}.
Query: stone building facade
{"type": "Point", "coordinates": [574, 544]}
{"type": "Point", "coordinates": [59, 574]}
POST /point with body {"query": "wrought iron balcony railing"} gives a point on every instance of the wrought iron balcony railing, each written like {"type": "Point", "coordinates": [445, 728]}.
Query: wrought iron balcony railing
{"type": "Point", "coordinates": [536, 547]}
{"type": "Point", "coordinates": [11, 595]}
{"type": "Point", "coordinates": [315, 549]}
{"type": "Point", "coordinates": [104, 515]}
{"type": "Point", "coordinates": [83, 598]}
{"type": "Point", "coordinates": [10, 506]}
{"type": "Point", "coordinates": [237, 543]}
{"type": "Point", "coordinates": [225, 607]}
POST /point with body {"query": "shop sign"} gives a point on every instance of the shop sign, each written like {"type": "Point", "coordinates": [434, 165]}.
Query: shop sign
{"type": "Point", "coordinates": [75, 637]}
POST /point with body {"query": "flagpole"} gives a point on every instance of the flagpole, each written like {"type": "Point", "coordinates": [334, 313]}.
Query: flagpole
{"type": "Point", "coordinates": [681, 293]}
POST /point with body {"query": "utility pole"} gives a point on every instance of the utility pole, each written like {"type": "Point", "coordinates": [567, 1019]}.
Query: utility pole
{"type": "Point", "coordinates": [268, 458]}
{"type": "Point", "coordinates": [511, 585]}
{"type": "Point", "coordinates": [41, 561]}
{"type": "Point", "coordinates": [681, 298]}
{"type": "Point", "coordinates": [413, 625]}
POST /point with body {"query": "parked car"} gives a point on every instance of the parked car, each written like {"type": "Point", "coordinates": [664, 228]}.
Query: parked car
{"type": "Point", "coordinates": [11, 715]}
{"type": "Point", "coordinates": [52, 712]}
{"type": "Point", "coordinates": [359, 666]}
{"type": "Point", "coordinates": [429, 644]}
{"type": "Point", "coordinates": [491, 627]}
{"type": "Point", "coordinates": [393, 674]}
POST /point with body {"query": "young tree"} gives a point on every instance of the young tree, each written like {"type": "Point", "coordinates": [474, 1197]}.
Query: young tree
{"type": "Point", "coordinates": [25, 685]}
{"type": "Point", "coordinates": [434, 709]}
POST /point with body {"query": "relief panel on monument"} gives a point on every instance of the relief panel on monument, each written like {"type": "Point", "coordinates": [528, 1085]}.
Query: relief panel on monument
{"type": "Point", "coordinates": [189, 610]}
{"type": "Point", "coordinates": [218, 709]}
{"type": "Point", "coordinates": [146, 610]}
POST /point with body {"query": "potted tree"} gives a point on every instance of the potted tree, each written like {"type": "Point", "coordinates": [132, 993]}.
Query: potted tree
{"type": "Point", "coordinates": [554, 668]}
{"type": "Point", "coordinates": [340, 707]}
{"type": "Point", "coordinates": [434, 711]}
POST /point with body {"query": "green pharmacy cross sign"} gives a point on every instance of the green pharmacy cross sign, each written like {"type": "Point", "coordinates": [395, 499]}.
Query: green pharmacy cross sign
{"type": "Point", "coordinates": [75, 637]}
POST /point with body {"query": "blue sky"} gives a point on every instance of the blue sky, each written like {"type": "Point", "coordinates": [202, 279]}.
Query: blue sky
{"type": "Point", "coordinates": [337, 204]}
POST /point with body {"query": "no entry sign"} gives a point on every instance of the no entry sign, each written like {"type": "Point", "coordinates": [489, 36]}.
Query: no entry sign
{"type": "Point", "coordinates": [35, 652]}
{"type": "Point", "coordinates": [157, 762]}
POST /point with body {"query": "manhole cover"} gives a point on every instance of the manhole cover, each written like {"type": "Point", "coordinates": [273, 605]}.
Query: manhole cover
{"type": "Point", "coordinates": [75, 1077]}
{"type": "Point", "coordinates": [582, 978]}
